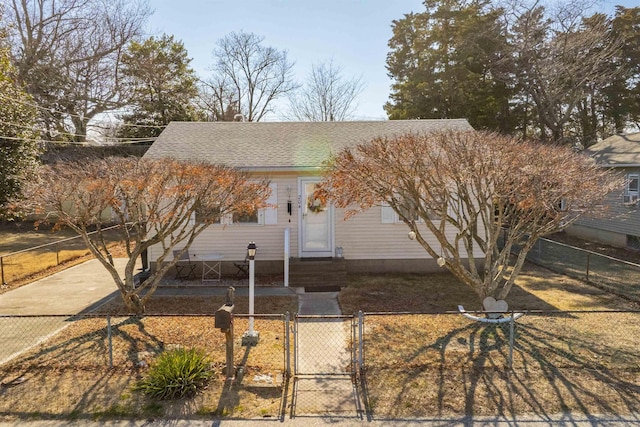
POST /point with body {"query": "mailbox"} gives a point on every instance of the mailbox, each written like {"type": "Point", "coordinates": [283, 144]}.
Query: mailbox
{"type": "Point", "coordinates": [224, 317]}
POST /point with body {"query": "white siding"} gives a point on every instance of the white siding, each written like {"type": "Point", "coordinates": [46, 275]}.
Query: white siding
{"type": "Point", "coordinates": [364, 236]}
{"type": "Point", "coordinates": [231, 240]}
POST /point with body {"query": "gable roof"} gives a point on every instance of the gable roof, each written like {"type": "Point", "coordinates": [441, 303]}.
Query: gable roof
{"type": "Point", "coordinates": [617, 151]}
{"type": "Point", "coordinates": [279, 145]}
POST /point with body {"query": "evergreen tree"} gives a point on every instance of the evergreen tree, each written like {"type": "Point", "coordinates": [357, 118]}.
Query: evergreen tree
{"type": "Point", "coordinates": [443, 63]}
{"type": "Point", "coordinates": [18, 145]}
{"type": "Point", "coordinates": [623, 93]}
{"type": "Point", "coordinates": [162, 86]}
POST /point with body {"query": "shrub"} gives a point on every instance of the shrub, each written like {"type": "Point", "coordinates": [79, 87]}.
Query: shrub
{"type": "Point", "coordinates": [176, 374]}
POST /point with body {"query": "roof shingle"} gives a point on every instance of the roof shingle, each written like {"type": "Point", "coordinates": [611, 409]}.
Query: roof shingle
{"type": "Point", "coordinates": [617, 150]}
{"type": "Point", "coordinates": [279, 145]}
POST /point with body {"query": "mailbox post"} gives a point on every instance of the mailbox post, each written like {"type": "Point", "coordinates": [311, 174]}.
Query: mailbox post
{"type": "Point", "coordinates": [224, 321]}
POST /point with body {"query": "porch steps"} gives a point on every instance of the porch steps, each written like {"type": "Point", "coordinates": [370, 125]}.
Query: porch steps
{"type": "Point", "coordinates": [318, 273]}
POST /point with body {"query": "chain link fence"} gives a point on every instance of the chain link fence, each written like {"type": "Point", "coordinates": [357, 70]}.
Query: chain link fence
{"type": "Point", "coordinates": [384, 364]}
{"type": "Point", "coordinates": [555, 362]}
{"type": "Point", "coordinates": [127, 342]}
{"type": "Point", "coordinates": [617, 276]}
{"type": "Point", "coordinates": [54, 366]}
{"type": "Point", "coordinates": [325, 365]}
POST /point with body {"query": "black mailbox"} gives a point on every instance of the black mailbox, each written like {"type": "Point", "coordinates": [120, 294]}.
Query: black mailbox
{"type": "Point", "coordinates": [224, 317]}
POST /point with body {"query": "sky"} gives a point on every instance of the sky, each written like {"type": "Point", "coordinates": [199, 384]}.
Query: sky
{"type": "Point", "coordinates": [352, 33]}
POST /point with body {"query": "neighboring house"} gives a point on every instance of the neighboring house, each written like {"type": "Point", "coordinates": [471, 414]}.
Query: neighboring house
{"type": "Point", "coordinates": [290, 155]}
{"type": "Point", "coordinates": [621, 225]}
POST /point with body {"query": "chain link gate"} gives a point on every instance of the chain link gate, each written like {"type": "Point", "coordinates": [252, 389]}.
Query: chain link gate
{"type": "Point", "coordinates": [325, 345]}
{"type": "Point", "coordinates": [327, 360]}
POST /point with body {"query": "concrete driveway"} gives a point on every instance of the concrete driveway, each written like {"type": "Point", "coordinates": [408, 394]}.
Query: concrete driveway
{"type": "Point", "coordinates": [67, 292]}
{"type": "Point", "coordinates": [49, 301]}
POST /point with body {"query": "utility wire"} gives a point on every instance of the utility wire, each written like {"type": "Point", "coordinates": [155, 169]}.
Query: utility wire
{"type": "Point", "coordinates": [51, 110]}
{"type": "Point", "coordinates": [131, 141]}
{"type": "Point", "coordinates": [68, 133]}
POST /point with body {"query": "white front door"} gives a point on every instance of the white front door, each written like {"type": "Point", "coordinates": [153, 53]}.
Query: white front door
{"type": "Point", "coordinates": [316, 222]}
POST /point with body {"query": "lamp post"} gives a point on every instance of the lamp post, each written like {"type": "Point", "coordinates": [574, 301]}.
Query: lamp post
{"type": "Point", "coordinates": [251, 337]}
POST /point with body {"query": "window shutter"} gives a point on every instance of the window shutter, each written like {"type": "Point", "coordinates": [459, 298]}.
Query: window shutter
{"type": "Point", "coordinates": [388, 215]}
{"type": "Point", "coordinates": [271, 214]}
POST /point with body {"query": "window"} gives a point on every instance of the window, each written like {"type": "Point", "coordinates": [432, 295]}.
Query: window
{"type": "Point", "coordinates": [389, 216]}
{"type": "Point", "coordinates": [264, 216]}
{"type": "Point", "coordinates": [408, 212]}
{"type": "Point", "coordinates": [217, 218]}
{"type": "Point", "coordinates": [245, 217]}
{"type": "Point", "coordinates": [632, 188]}
{"type": "Point", "coordinates": [633, 243]}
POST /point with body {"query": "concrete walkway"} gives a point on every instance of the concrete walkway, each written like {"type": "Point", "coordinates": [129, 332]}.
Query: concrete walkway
{"type": "Point", "coordinates": [318, 303]}
{"type": "Point", "coordinates": [323, 384]}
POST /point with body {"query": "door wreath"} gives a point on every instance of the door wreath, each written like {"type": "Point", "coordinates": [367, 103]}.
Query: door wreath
{"type": "Point", "coordinates": [315, 205]}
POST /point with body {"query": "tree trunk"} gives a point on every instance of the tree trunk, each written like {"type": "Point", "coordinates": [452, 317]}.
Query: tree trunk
{"type": "Point", "coordinates": [133, 302]}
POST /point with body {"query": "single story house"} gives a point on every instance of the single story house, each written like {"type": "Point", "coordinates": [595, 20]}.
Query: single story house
{"type": "Point", "coordinates": [290, 155]}
{"type": "Point", "coordinates": [621, 225]}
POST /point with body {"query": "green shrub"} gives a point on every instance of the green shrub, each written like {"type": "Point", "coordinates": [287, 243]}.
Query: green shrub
{"type": "Point", "coordinates": [177, 373]}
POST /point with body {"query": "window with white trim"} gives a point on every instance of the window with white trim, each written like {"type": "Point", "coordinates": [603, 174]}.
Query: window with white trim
{"type": "Point", "coordinates": [632, 188]}
{"type": "Point", "coordinates": [217, 218]}
{"type": "Point", "coordinates": [264, 216]}
{"type": "Point", "coordinates": [389, 216]}
{"type": "Point", "coordinates": [245, 217]}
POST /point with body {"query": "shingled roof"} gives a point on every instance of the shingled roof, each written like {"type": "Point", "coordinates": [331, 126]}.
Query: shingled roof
{"type": "Point", "coordinates": [279, 145]}
{"type": "Point", "coordinates": [617, 151]}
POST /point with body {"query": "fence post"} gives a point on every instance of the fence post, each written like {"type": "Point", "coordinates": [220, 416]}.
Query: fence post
{"type": "Point", "coordinates": [539, 245]}
{"type": "Point", "coordinates": [287, 345]}
{"type": "Point", "coordinates": [511, 340]}
{"type": "Point", "coordinates": [109, 341]}
{"type": "Point", "coordinates": [295, 343]}
{"type": "Point", "coordinates": [588, 264]}
{"type": "Point", "coordinates": [361, 341]}
{"type": "Point", "coordinates": [3, 283]}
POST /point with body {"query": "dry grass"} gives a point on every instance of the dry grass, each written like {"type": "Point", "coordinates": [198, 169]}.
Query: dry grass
{"type": "Point", "coordinates": [433, 364]}
{"type": "Point", "coordinates": [24, 267]}
{"type": "Point", "coordinates": [73, 364]}
{"type": "Point", "coordinates": [445, 364]}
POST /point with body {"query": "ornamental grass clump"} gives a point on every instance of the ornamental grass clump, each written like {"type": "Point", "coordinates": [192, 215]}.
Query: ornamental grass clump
{"type": "Point", "coordinates": [176, 374]}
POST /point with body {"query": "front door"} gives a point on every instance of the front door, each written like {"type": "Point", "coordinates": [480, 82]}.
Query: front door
{"type": "Point", "coordinates": [316, 222]}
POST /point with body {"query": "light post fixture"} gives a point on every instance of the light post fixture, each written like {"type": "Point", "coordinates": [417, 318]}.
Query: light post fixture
{"type": "Point", "coordinates": [251, 336]}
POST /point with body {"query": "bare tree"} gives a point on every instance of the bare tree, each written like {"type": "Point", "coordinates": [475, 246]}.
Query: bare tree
{"type": "Point", "coordinates": [218, 99]}
{"type": "Point", "coordinates": [557, 60]}
{"type": "Point", "coordinates": [326, 96]}
{"type": "Point", "coordinates": [470, 190]}
{"type": "Point", "coordinates": [154, 201]}
{"type": "Point", "coordinates": [254, 74]}
{"type": "Point", "coordinates": [68, 55]}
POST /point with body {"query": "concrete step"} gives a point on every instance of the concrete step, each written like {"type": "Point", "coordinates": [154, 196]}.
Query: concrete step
{"type": "Point", "coordinates": [318, 272]}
